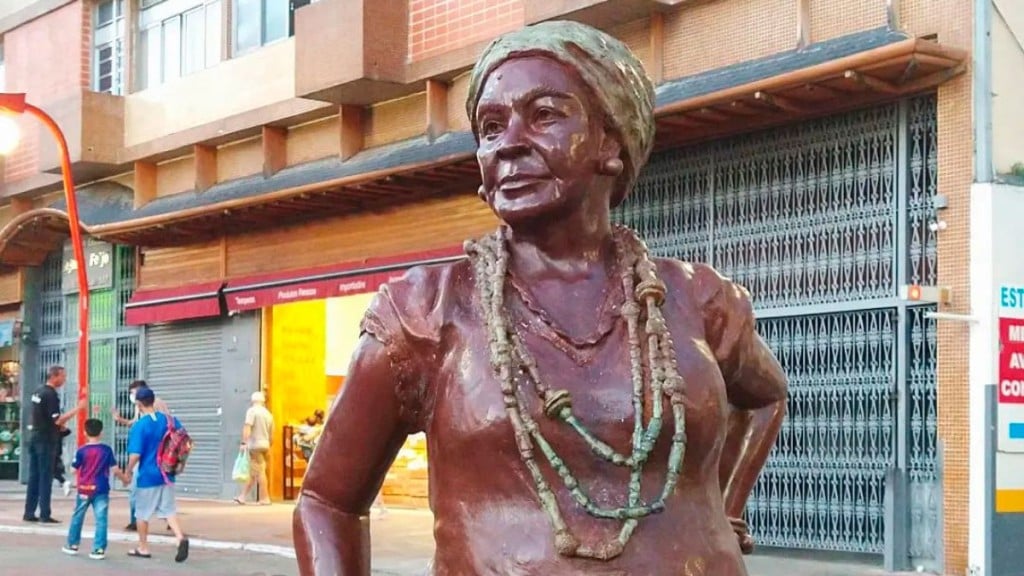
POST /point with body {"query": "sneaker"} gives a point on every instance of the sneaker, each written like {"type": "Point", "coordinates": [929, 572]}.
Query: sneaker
{"type": "Point", "coordinates": [70, 550]}
{"type": "Point", "coordinates": [67, 488]}
{"type": "Point", "coordinates": [49, 521]}
{"type": "Point", "coordinates": [132, 527]}
{"type": "Point", "coordinates": [98, 554]}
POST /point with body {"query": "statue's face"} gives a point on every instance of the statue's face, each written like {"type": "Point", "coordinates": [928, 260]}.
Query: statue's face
{"type": "Point", "coordinates": [541, 140]}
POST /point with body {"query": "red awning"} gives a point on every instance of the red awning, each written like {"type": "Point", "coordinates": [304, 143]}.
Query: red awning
{"type": "Point", "coordinates": [170, 304]}
{"type": "Point", "coordinates": [330, 282]}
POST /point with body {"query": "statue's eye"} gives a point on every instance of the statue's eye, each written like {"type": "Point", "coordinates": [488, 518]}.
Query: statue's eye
{"type": "Point", "coordinates": [490, 128]}
{"type": "Point", "coordinates": [545, 115]}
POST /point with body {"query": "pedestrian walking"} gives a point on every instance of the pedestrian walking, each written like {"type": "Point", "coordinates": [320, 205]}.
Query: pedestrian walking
{"type": "Point", "coordinates": [133, 388]}
{"type": "Point", "coordinates": [44, 432]}
{"type": "Point", "coordinates": [154, 494]}
{"type": "Point", "coordinates": [257, 437]}
{"type": "Point", "coordinates": [94, 461]}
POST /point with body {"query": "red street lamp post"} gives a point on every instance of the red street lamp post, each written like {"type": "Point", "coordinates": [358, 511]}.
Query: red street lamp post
{"type": "Point", "coordinates": [16, 104]}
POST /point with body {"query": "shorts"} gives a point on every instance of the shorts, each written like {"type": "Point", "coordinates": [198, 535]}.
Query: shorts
{"type": "Point", "coordinates": [258, 461]}
{"type": "Point", "coordinates": [155, 501]}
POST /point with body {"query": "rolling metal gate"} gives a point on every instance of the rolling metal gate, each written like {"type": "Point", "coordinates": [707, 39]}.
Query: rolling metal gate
{"type": "Point", "coordinates": [206, 371]}
{"type": "Point", "coordinates": [113, 347]}
{"type": "Point", "coordinates": [823, 221]}
{"type": "Point", "coordinates": [184, 368]}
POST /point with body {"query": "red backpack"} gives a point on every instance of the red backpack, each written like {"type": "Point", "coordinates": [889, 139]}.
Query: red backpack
{"type": "Point", "coordinates": [174, 449]}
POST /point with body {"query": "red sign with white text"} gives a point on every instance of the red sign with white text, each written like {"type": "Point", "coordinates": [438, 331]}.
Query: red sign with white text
{"type": "Point", "coordinates": [1011, 360]}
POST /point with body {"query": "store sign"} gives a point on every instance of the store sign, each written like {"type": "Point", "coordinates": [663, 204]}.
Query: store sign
{"type": "Point", "coordinates": [251, 298]}
{"type": "Point", "coordinates": [1011, 360]}
{"type": "Point", "coordinates": [99, 257]}
{"type": "Point", "coordinates": [1010, 367]}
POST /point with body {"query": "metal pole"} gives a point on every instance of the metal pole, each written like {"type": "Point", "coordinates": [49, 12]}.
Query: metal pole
{"type": "Point", "coordinates": [79, 252]}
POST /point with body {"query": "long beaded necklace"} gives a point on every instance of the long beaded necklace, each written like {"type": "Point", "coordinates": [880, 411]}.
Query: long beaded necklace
{"type": "Point", "coordinates": [510, 358]}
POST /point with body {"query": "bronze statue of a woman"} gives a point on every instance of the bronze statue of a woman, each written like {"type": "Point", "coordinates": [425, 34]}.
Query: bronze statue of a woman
{"type": "Point", "coordinates": [588, 408]}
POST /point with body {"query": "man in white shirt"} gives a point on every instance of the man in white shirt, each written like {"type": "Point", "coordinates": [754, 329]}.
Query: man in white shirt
{"type": "Point", "coordinates": [257, 437]}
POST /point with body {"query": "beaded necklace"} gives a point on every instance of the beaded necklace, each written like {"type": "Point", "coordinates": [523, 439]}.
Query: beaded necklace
{"type": "Point", "coordinates": [510, 358]}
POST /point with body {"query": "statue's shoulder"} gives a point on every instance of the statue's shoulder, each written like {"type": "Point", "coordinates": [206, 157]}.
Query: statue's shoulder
{"type": "Point", "coordinates": [428, 282]}
{"type": "Point", "coordinates": [707, 288]}
{"type": "Point", "coordinates": [696, 277]}
{"type": "Point", "coordinates": [423, 295]}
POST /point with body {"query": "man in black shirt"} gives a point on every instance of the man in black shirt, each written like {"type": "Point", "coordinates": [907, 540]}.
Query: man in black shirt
{"type": "Point", "coordinates": [42, 445]}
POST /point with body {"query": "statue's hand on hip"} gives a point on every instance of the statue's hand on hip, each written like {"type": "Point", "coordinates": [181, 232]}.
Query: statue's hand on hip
{"type": "Point", "coordinates": [740, 528]}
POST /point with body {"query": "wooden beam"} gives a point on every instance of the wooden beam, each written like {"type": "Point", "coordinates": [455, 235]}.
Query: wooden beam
{"type": "Point", "coordinates": [350, 125]}
{"type": "Point", "coordinates": [145, 183]}
{"type": "Point", "coordinates": [712, 114]}
{"type": "Point", "coordinates": [803, 23]}
{"type": "Point", "coordinates": [828, 92]}
{"type": "Point", "coordinates": [437, 108]}
{"type": "Point", "coordinates": [20, 205]}
{"type": "Point", "coordinates": [876, 84]}
{"type": "Point", "coordinates": [780, 102]}
{"type": "Point", "coordinates": [205, 166]}
{"type": "Point", "coordinates": [909, 71]}
{"type": "Point", "coordinates": [933, 79]}
{"type": "Point", "coordinates": [657, 64]}
{"type": "Point", "coordinates": [275, 150]}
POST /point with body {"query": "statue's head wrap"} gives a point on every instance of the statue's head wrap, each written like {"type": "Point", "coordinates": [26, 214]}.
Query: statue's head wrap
{"type": "Point", "coordinates": [615, 76]}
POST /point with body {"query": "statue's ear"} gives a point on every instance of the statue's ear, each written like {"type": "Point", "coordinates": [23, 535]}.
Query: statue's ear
{"type": "Point", "coordinates": [610, 145]}
{"type": "Point", "coordinates": [609, 162]}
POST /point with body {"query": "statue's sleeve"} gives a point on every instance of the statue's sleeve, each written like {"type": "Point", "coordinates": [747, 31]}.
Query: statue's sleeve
{"type": "Point", "coordinates": [752, 375]}
{"type": "Point", "coordinates": [404, 317]}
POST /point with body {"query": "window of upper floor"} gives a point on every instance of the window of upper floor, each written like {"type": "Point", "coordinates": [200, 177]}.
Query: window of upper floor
{"type": "Point", "coordinates": [177, 38]}
{"type": "Point", "coordinates": [260, 22]}
{"type": "Point", "coordinates": [108, 47]}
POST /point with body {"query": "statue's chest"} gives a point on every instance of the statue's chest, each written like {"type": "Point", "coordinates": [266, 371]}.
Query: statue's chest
{"type": "Point", "coordinates": [470, 411]}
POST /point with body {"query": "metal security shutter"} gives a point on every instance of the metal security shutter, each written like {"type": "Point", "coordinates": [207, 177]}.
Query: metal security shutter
{"type": "Point", "coordinates": [823, 221]}
{"type": "Point", "coordinates": [184, 369]}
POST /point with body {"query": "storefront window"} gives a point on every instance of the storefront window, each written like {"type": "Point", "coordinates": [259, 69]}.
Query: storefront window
{"type": "Point", "coordinates": [307, 360]}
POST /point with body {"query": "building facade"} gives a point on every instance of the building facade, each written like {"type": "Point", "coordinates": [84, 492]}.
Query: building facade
{"type": "Point", "coordinates": [256, 168]}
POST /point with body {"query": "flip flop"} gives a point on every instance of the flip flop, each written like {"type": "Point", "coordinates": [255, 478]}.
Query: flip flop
{"type": "Point", "coordinates": [239, 501]}
{"type": "Point", "coordinates": [134, 553]}
{"type": "Point", "coordinates": [182, 554]}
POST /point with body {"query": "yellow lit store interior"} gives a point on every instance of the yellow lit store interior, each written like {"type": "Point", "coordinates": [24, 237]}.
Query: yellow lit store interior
{"type": "Point", "coordinates": [306, 350]}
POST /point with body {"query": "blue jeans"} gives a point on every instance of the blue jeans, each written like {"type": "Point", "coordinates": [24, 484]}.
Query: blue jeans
{"type": "Point", "coordinates": [100, 504]}
{"type": "Point", "coordinates": [42, 454]}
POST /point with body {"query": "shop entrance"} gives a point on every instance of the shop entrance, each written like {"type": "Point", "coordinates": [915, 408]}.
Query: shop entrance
{"type": "Point", "coordinates": [307, 348]}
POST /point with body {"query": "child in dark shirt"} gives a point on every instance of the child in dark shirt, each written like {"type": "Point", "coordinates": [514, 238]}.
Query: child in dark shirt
{"type": "Point", "coordinates": [93, 462]}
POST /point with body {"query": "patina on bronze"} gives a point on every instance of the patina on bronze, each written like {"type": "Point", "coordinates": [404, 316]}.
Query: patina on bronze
{"type": "Point", "coordinates": [589, 409]}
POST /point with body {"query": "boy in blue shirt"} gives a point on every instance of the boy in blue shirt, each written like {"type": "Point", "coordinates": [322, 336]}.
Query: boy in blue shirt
{"type": "Point", "coordinates": [93, 462]}
{"type": "Point", "coordinates": [154, 494]}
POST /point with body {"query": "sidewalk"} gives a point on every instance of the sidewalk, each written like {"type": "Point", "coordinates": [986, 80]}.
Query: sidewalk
{"type": "Point", "coordinates": [402, 541]}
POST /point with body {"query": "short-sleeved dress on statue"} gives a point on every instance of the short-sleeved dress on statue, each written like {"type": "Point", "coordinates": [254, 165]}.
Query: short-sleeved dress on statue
{"type": "Point", "coordinates": [483, 497]}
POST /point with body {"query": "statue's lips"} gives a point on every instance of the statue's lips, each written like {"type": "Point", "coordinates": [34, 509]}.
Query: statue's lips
{"type": "Point", "coordinates": [520, 184]}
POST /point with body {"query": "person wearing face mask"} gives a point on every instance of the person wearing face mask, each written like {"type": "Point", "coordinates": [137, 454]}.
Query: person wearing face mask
{"type": "Point", "coordinates": [133, 388]}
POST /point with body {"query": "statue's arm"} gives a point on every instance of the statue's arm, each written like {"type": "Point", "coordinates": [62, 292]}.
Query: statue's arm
{"type": "Point", "coordinates": [361, 438]}
{"type": "Point", "coordinates": [757, 396]}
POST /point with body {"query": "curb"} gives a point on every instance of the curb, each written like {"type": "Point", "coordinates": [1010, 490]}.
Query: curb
{"type": "Point", "coordinates": [271, 549]}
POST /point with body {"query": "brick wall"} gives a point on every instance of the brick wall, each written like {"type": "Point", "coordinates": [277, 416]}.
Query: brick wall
{"type": "Point", "coordinates": [48, 59]}
{"type": "Point", "coordinates": [438, 26]}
